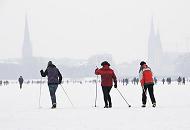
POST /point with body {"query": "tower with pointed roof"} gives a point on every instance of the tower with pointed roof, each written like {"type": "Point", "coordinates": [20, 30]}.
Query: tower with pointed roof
{"type": "Point", "coordinates": [155, 52]}
{"type": "Point", "coordinates": [27, 46]}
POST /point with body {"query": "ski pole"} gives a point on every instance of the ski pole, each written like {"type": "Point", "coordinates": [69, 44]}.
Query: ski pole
{"type": "Point", "coordinates": [67, 96]}
{"type": "Point", "coordinates": [96, 90]}
{"type": "Point", "coordinates": [40, 92]}
{"type": "Point", "coordinates": [123, 97]}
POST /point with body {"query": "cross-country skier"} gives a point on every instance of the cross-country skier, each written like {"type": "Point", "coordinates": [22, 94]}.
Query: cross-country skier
{"type": "Point", "coordinates": [107, 79]}
{"type": "Point", "coordinates": [54, 78]}
{"type": "Point", "coordinates": [147, 82]}
{"type": "Point", "coordinates": [20, 80]}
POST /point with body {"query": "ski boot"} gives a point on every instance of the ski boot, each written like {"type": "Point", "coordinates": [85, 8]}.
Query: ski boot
{"type": "Point", "coordinates": [53, 106]}
{"type": "Point", "coordinates": [106, 106]}
{"type": "Point", "coordinates": [144, 105]}
{"type": "Point", "coordinates": [154, 105]}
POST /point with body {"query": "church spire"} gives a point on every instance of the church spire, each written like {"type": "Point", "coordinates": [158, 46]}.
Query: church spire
{"type": "Point", "coordinates": [27, 47]}
{"type": "Point", "coordinates": [159, 40]}
{"type": "Point", "coordinates": [152, 31]}
{"type": "Point", "coordinates": [151, 40]}
{"type": "Point", "coordinates": [155, 52]}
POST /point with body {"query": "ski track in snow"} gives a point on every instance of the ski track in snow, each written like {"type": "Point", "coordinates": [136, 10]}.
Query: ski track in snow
{"type": "Point", "coordinates": [20, 110]}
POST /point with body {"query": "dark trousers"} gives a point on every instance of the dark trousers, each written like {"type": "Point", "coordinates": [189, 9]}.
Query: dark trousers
{"type": "Point", "coordinates": [52, 90]}
{"type": "Point", "coordinates": [106, 92]}
{"type": "Point", "coordinates": [151, 93]}
{"type": "Point", "coordinates": [20, 85]}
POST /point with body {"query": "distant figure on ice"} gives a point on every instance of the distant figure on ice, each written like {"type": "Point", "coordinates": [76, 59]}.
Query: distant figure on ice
{"type": "Point", "coordinates": [155, 80]}
{"type": "Point", "coordinates": [179, 80]}
{"type": "Point", "coordinates": [163, 80]}
{"type": "Point", "coordinates": [147, 82]}
{"type": "Point", "coordinates": [107, 79]}
{"type": "Point", "coordinates": [183, 80]}
{"type": "Point", "coordinates": [134, 80]}
{"type": "Point", "coordinates": [1, 82]}
{"type": "Point", "coordinates": [126, 81]}
{"type": "Point", "coordinates": [137, 81]}
{"type": "Point", "coordinates": [20, 80]}
{"type": "Point", "coordinates": [5, 82]}
{"type": "Point", "coordinates": [169, 80]}
{"type": "Point", "coordinates": [54, 78]}
{"type": "Point", "coordinates": [123, 81]}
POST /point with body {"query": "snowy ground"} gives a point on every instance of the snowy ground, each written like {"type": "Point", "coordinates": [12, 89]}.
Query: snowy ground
{"type": "Point", "coordinates": [19, 109]}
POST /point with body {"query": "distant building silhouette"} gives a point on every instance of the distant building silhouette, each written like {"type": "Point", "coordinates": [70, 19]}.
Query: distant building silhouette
{"type": "Point", "coordinates": [27, 46]}
{"type": "Point", "coordinates": [155, 51]}
{"type": "Point", "coordinates": [165, 64]}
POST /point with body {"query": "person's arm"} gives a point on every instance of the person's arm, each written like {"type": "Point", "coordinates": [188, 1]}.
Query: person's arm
{"type": "Point", "coordinates": [22, 80]}
{"type": "Point", "coordinates": [141, 78]}
{"type": "Point", "coordinates": [43, 74]}
{"type": "Point", "coordinates": [98, 71]}
{"type": "Point", "coordinates": [60, 76]}
{"type": "Point", "coordinates": [114, 79]}
{"type": "Point", "coordinates": [142, 82]}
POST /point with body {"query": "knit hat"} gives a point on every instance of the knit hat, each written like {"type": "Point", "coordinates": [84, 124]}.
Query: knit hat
{"type": "Point", "coordinates": [142, 63]}
{"type": "Point", "coordinates": [50, 63]}
{"type": "Point", "coordinates": [105, 63]}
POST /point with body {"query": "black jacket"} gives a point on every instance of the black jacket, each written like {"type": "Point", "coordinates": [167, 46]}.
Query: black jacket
{"type": "Point", "coordinates": [53, 74]}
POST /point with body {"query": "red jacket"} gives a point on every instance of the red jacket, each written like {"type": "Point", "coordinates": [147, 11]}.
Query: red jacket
{"type": "Point", "coordinates": [146, 76]}
{"type": "Point", "coordinates": [107, 76]}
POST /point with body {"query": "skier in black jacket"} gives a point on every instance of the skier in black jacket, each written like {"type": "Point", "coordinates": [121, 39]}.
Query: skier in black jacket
{"type": "Point", "coordinates": [54, 78]}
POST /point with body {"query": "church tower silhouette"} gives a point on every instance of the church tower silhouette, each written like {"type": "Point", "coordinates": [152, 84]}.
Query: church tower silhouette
{"type": "Point", "coordinates": [27, 46]}
{"type": "Point", "coordinates": [155, 52]}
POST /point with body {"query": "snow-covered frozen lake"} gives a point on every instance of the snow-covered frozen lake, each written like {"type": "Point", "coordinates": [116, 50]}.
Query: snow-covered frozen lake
{"type": "Point", "coordinates": [19, 109]}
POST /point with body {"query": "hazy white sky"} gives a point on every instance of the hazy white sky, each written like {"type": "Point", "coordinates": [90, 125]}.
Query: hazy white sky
{"type": "Point", "coordinates": [81, 28]}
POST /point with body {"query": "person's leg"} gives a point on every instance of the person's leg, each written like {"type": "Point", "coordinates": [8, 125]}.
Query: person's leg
{"type": "Point", "coordinates": [104, 89]}
{"type": "Point", "coordinates": [52, 90]}
{"type": "Point", "coordinates": [109, 97]}
{"type": "Point", "coordinates": [151, 93]}
{"type": "Point", "coordinates": [144, 97]}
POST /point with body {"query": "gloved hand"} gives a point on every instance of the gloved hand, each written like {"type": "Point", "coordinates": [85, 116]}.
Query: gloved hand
{"type": "Point", "coordinates": [96, 70]}
{"type": "Point", "coordinates": [60, 82]}
{"type": "Point", "coordinates": [115, 85]}
{"type": "Point", "coordinates": [41, 71]}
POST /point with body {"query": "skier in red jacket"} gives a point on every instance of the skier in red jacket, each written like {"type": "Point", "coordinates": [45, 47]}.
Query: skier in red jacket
{"type": "Point", "coordinates": [107, 79]}
{"type": "Point", "coordinates": [147, 82]}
